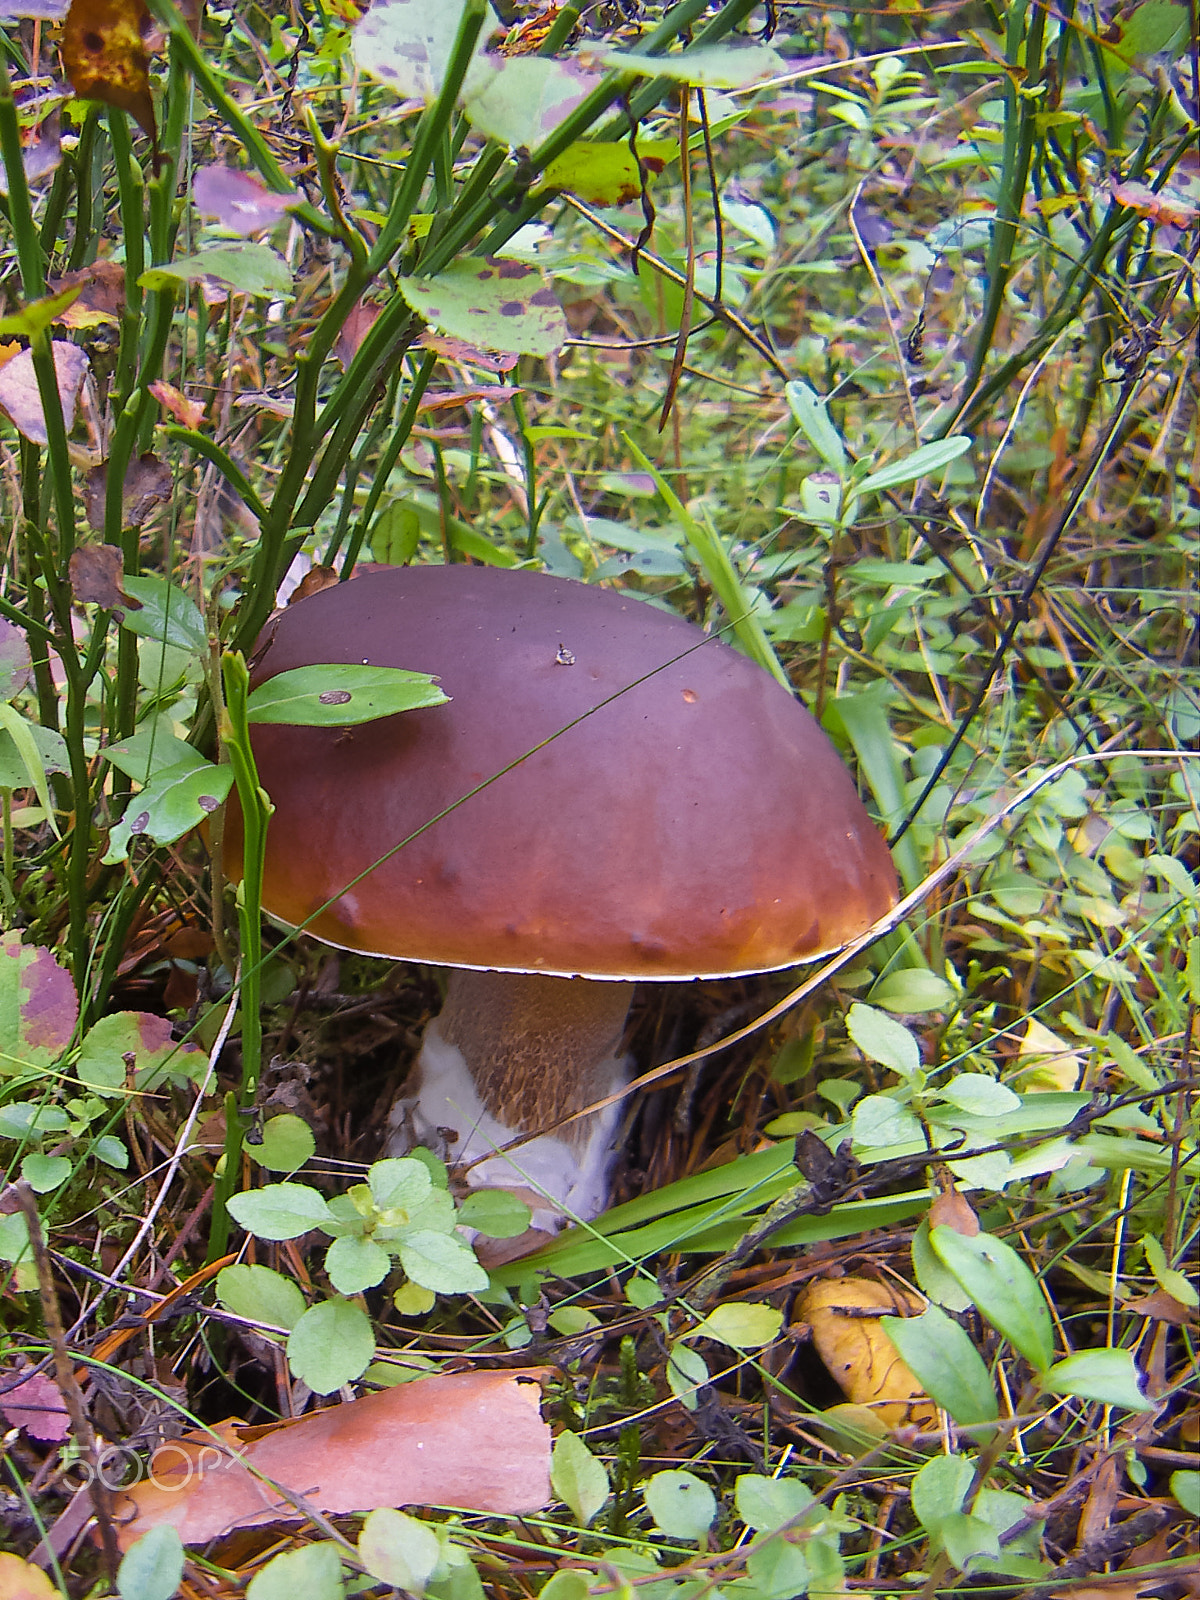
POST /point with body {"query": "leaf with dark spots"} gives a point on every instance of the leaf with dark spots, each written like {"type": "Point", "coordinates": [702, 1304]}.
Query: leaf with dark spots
{"type": "Point", "coordinates": [105, 56]}
{"type": "Point", "coordinates": [147, 484]}
{"type": "Point", "coordinates": [96, 571]}
{"type": "Point", "coordinates": [522, 100]}
{"type": "Point", "coordinates": [407, 44]}
{"type": "Point", "coordinates": [21, 400]}
{"type": "Point", "coordinates": [239, 201]}
{"type": "Point", "coordinates": [176, 800]}
{"type": "Point", "coordinates": [332, 694]}
{"type": "Point", "coordinates": [15, 666]}
{"type": "Point", "coordinates": [503, 309]}
{"type": "Point", "coordinates": [354, 330]}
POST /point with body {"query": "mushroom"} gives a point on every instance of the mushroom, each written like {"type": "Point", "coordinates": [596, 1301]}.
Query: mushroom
{"type": "Point", "coordinates": [610, 796]}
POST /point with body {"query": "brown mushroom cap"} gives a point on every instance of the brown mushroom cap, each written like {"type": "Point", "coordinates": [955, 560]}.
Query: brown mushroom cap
{"type": "Point", "coordinates": [695, 823]}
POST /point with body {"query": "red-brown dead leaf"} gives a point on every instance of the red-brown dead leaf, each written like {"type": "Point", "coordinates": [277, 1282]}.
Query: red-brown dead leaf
{"type": "Point", "coordinates": [19, 397]}
{"type": "Point", "coordinates": [1160, 205]}
{"type": "Point", "coordinates": [101, 297]}
{"type": "Point", "coordinates": [447, 399]}
{"type": "Point", "coordinates": [469, 1439]}
{"type": "Point", "coordinates": [1162, 1307]}
{"type": "Point", "coordinates": [147, 484]}
{"type": "Point", "coordinates": [95, 571]}
{"type": "Point", "coordinates": [239, 201]}
{"type": "Point", "coordinates": [459, 350]}
{"type": "Point", "coordinates": [952, 1209]}
{"type": "Point", "coordinates": [354, 330]}
{"type": "Point", "coordinates": [188, 413]}
{"type": "Point", "coordinates": [314, 580]}
{"type": "Point", "coordinates": [36, 1406]}
{"type": "Point", "coordinates": [104, 49]}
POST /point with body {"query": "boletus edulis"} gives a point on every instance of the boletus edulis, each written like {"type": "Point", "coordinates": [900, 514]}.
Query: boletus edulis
{"type": "Point", "coordinates": [610, 797]}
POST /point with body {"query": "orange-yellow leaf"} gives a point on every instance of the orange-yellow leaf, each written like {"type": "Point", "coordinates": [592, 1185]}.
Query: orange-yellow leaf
{"type": "Point", "coordinates": [859, 1354]}
{"type": "Point", "coordinates": [105, 56]}
{"type": "Point", "coordinates": [20, 1581]}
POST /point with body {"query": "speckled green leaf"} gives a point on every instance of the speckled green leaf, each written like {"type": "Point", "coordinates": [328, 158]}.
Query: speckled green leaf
{"type": "Point", "coordinates": [526, 97]}
{"type": "Point", "coordinates": [407, 43]}
{"type": "Point", "coordinates": [501, 305]}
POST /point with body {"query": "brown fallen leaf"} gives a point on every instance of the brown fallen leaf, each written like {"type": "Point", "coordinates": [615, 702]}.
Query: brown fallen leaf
{"type": "Point", "coordinates": [101, 297]}
{"type": "Point", "coordinates": [1162, 1307]}
{"type": "Point", "coordinates": [147, 484]}
{"type": "Point", "coordinates": [952, 1209]}
{"type": "Point", "coordinates": [19, 396]}
{"type": "Point", "coordinates": [105, 56]}
{"type": "Point", "coordinates": [469, 1439]}
{"type": "Point", "coordinates": [859, 1354]}
{"type": "Point", "coordinates": [95, 572]}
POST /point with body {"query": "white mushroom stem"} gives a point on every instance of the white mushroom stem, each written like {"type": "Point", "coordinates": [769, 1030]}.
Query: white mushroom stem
{"type": "Point", "coordinates": [510, 1054]}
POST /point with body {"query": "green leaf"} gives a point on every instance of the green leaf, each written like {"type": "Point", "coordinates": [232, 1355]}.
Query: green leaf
{"type": "Point", "coordinates": [965, 1537]}
{"type": "Point", "coordinates": [171, 804]}
{"type": "Point", "coordinates": [942, 1358]}
{"type": "Point", "coordinates": [525, 98]}
{"type": "Point", "coordinates": [935, 1281]}
{"type": "Point", "coordinates": [929, 458]}
{"type": "Point", "coordinates": [152, 750]}
{"type": "Point", "coordinates": [912, 990]}
{"type": "Point", "coordinates": [50, 754]}
{"type": "Point", "coordinates": [152, 1569]}
{"type": "Point", "coordinates": [878, 1121]}
{"type": "Point", "coordinates": [1185, 1486]}
{"type": "Point", "coordinates": [721, 66]}
{"type": "Point", "coordinates": [495, 1213]}
{"type": "Point", "coordinates": [21, 738]}
{"type": "Point", "coordinates": [687, 1371]}
{"type": "Point", "coordinates": [1002, 1287]}
{"type": "Point", "coordinates": [682, 1506]}
{"type": "Point", "coordinates": [314, 1572]}
{"type": "Point", "coordinates": [778, 1569]}
{"type": "Point", "coordinates": [37, 315]}
{"type": "Point", "coordinates": [399, 1183]}
{"type": "Point", "coordinates": [499, 305]}
{"type": "Point", "coordinates": [1166, 1276]}
{"type": "Point", "coordinates": [767, 1503]}
{"type": "Point", "coordinates": [407, 44]}
{"type": "Point", "coordinates": [331, 1345]}
{"type": "Point", "coordinates": [442, 1262]}
{"type": "Point", "coordinates": [742, 1325]}
{"type": "Point", "coordinates": [332, 695]}
{"type": "Point", "coordinates": [287, 1143]}
{"type": "Point", "coordinates": [166, 613]}
{"type": "Point", "coordinates": [38, 1007]}
{"type": "Point", "coordinates": [260, 1294]}
{"type": "Point", "coordinates": [399, 1550]}
{"type": "Point", "coordinates": [395, 534]}
{"type": "Point", "coordinates": [939, 1489]}
{"type": "Point", "coordinates": [1110, 1376]}
{"type": "Point", "coordinates": [571, 1320]}
{"type": "Point", "coordinates": [882, 1039]}
{"type": "Point", "coordinates": [248, 268]}
{"type": "Point", "coordinates": [109, 1149]}
{"type": "Point", "coordinates": [355, 1264]}
{"type": "Point", "coordinates": [567, 1584]}
{"type": "Point", "coordinates": [280, 1210]}
{"type": "Point", "coordinates": [577, 1478]}
{"type": "Point", "coordinates": [813, 420]}
{"type": "Point", "coordinates": [43, 1173]}
{"type": "Point", "coordinates": [979, 1094]}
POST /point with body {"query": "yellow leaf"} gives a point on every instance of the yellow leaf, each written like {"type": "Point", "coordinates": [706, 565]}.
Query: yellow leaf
{"type": "Point", "coordinates": [104, 53]}
{"type": "Point", "coordinates": [859, 1354]}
